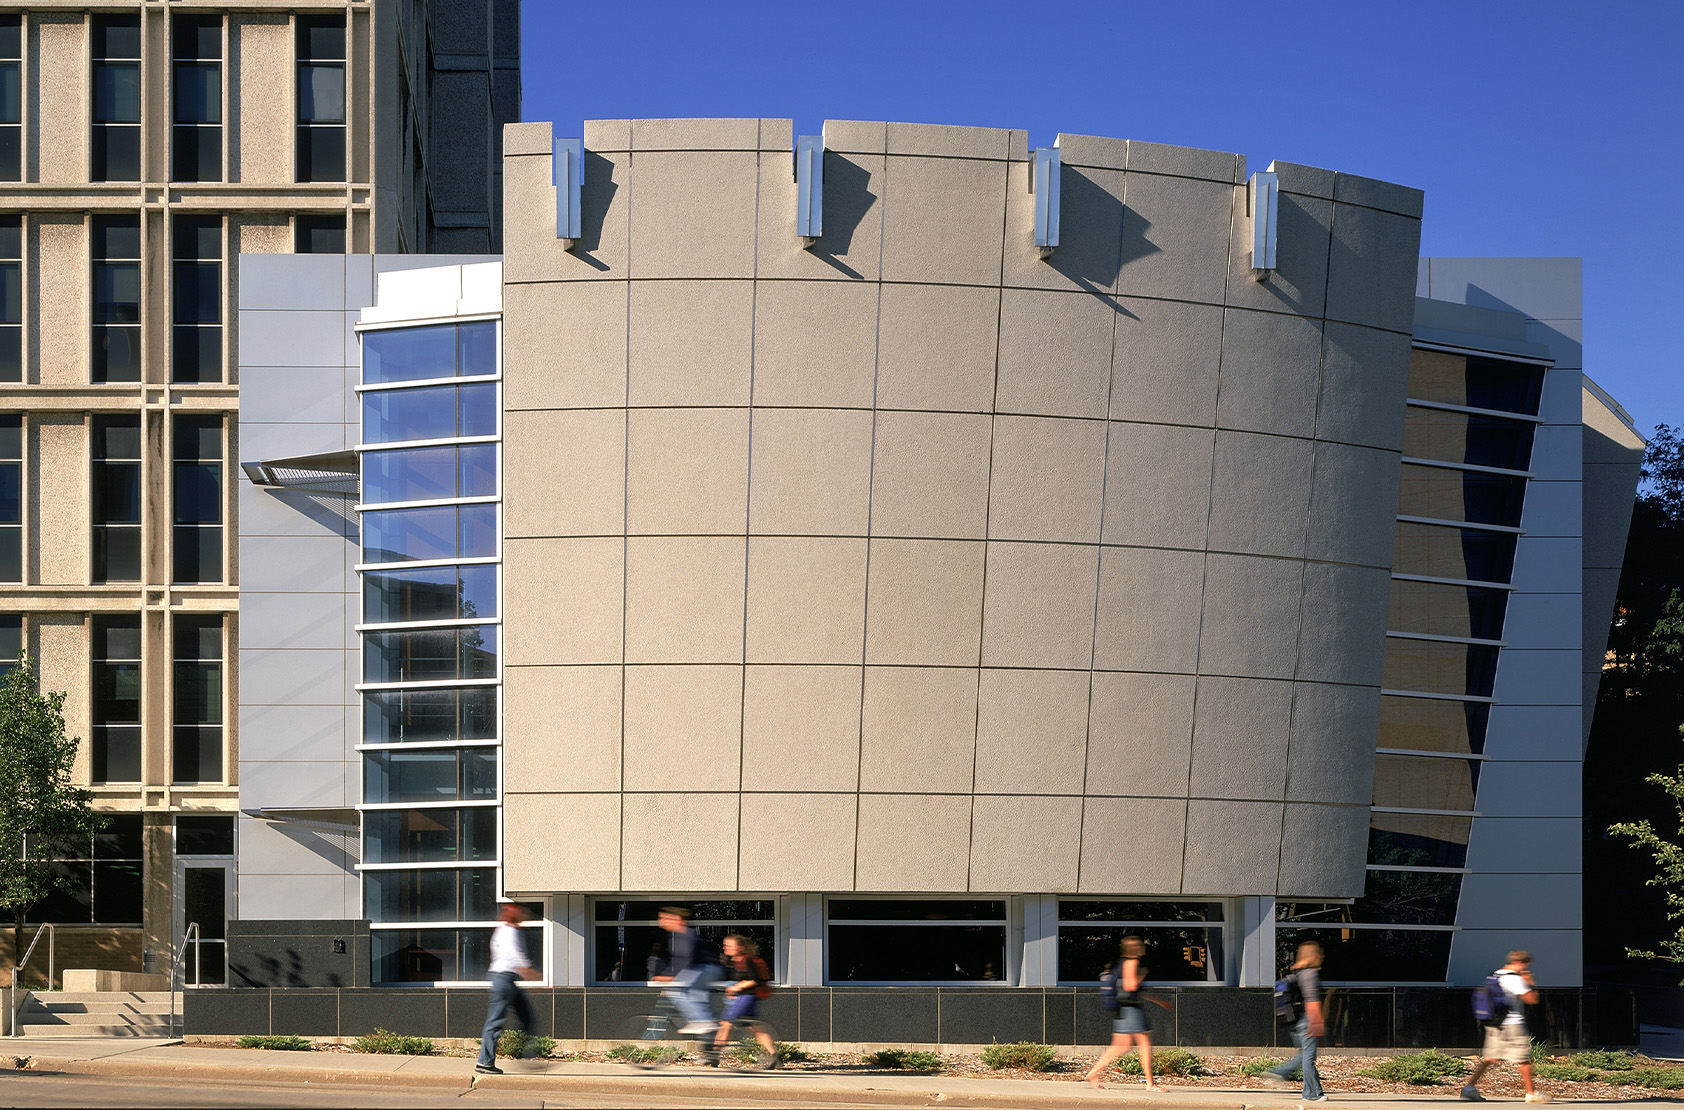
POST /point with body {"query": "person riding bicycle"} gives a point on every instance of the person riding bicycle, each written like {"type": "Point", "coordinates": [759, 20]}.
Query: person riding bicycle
{"type": "Point", "coordinates": [751, 982]}
{"type": "Point", "coordinates": [692, 969]}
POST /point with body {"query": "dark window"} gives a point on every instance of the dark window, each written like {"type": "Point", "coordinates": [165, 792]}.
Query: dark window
{"type": "Point", "coordinates": [1389, 898]}
{"type": "Point", "coordinates": [1433, 725]}
{"type": "Point", "coordinates": [631, 947]}
{"type": "Point", "coordinates": [321, 98]}
{"type": "Point", "coordinates": [106, 873]}
{"type": "Point", "coordinates": [204, 836]}
{"type": "Point", "coordinates": [430, 835]}
{"type": "Point", "coordinates": [1445, 493]}
{"type": "Point", "coordinates": [196, 298]}
{"type": "Point", "coordinates": [430, 412]}
{"type": "Point", "coordinates": [430, 654]}
{"type": "Point", "coordinates": [429, 594]}
{"type": "Point", "coordinates": [1439, 667]}
{"type": "Point", "coordinates": [1435, 551]}
{"type": "Point", "coordinates": [429, 473]}
{"type": "Point", "coordinates": [116, 698]}
{"type": "Point", "coordinates": [430, 894]}
{"type": "Point", "coordinates": [442, 532]}
{"type": "Point", "coordinates": [318, 234]}
{"type": "Point", "coordinates": [116, 90]}
{"type": "Point", "coordinates": [420, 716]}
{"type": "Point", "coordinates": [196, 131]}
{"type": "Point", "coordinates": [430, 775]}
{"type": "Point", "coordinates": [11, 298]}
{"type": "Point", "coordinates": [1475, 381]}
{"type": "Point", "coordinates": [438, 351]}
{"type": "Point", "coordinates": [198, 697]}
{"type": "Point", "coordinates": [11, 641]}
{"type": "Point", "coordinates": [11, 499]}
{"type": "Point", "coordinates": [1180, 945]}
{"type": "Point", "coordinates": [11, 98]}
{"type": "Point", "coordinates": [1437, 609]}
{"type": "Point", "coordinates": [1469, 438]}
{"type": "Point", "coordinates": [116, 498]}
{"type": "Point", "coordinates": [197, 530]}
{"type": "Point", "coordinates": [1371, 955]}
{"type": "Point", "coordinates": [116, 274]}
{"type": "Point", "coordinates": [1418, 840]}
{"type": "Point", "coordinates": [1425, 782]}
{"type": "Point", "coordinates": [916, 940]}
{"type": "Point", "coordinates": [438, 955]}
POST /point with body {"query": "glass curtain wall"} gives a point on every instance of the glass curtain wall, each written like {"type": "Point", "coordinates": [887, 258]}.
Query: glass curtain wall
{"type": "Point", "coordinates": [430, 634]}
{"type": "Point", "coordinates": [1468, 433]}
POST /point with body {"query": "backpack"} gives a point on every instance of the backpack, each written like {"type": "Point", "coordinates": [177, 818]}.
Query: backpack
{"type": "Point", "coordinates": [1289, 998]}
{"type": "Point", "coordinates": [761, 976]}
{"type": "Point", "coordinates": [1491, 1001]}
{"type": "Point", "coordinates": [1108, 1000]}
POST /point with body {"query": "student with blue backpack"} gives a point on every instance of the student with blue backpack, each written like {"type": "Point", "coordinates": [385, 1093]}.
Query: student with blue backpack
{"type": "Point", "coordinates": [1500, 1005]}
{"type": "Point", "coordinates": [1119, 993]}
{"type": "Point", "coordinates": [1299, 995]}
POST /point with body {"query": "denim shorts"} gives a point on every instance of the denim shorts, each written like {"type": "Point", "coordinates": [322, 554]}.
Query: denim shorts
{"type": "Point", "coordinates": [741, 1006]}
{"type": "Point", "coordinates": [1131, 1019]}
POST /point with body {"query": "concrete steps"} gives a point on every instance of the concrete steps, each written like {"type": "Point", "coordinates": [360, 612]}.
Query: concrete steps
{"type": "Point", "coordinates": [96, 1014]}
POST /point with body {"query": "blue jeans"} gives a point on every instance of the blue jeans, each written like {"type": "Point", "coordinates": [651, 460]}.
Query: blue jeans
{"type": "Point", "coordinates": [505, 996]}
{"type": "Point", "coordinates": [690, 992]}
{"type": "Point", "coordinates": [1305, 1058]}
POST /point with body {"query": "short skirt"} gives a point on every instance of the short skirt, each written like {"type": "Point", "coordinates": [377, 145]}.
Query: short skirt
{"type": "Point", "coordinates": [1130, 1019]}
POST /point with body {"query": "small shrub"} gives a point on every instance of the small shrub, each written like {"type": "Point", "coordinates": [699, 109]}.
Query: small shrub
{"type": "Point", "coordinates": [1664, 1079]}
{"type": "Point", "coordinates": [904, 1059]}
{"type": "Point", "coordinates": [1421, 1068]}
{"type": "Point", "coordinates": [1026, 1055]}
{"type": "Point", "coordinates": [1604, 1061]}
{"type": "Point", "coordinates": [278, 1044]}
{"type": "Point", "coordinates": [384, 1042]}
{"type": "Point", "coordinates": [1257, 1066]}
{"type": "Point", "coordinates": [518, 1042]}
{"type": "Point", "coordinates": [1540, 1052]}
{"type": "Point", "coordinates": [792, 1053]}
{"type": "Point", "coordinates": [646, 1054]}
{"type": "Point", "coordinates": [1571, 1073]}
{"type": "Point", "coordinates": [1165, 1061]}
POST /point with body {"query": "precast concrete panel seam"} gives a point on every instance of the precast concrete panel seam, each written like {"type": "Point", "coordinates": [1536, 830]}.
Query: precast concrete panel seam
{"type": "Point", "coordinates": [625, 538]}
{"type": "Point", "coordinates": [748, 511]}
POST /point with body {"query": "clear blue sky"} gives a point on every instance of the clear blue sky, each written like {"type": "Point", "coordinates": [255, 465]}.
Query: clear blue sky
{"type": "Point", "coordinates": [1536, 127]}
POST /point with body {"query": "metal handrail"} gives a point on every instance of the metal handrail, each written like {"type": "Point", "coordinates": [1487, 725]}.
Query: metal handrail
{"type": "Point", "coordinates": [17, 969]}
{"type": "Point", "coordinates": [191, 934]}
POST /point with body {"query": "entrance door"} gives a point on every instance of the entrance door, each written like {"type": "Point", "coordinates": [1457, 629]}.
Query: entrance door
{"type": "Point", "coordinates": [203, 894]}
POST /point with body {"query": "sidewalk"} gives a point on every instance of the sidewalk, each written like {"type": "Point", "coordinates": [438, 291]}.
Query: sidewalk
{"type": "Point", "coordinates": [164, 1059]}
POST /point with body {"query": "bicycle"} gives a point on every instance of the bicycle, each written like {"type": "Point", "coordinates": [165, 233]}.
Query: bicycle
{"type": "Point", "coordinates": [652, 1040]}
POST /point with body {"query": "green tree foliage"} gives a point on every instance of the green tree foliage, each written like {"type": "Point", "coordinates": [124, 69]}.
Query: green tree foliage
{"type": "Point", "coordinates": [1668, 857]}
{"type": "Point", "coordinates": [38, 803]}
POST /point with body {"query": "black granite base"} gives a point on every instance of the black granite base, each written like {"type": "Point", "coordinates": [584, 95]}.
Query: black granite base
{"type": "Point", "coordinates": [1357, 1017]}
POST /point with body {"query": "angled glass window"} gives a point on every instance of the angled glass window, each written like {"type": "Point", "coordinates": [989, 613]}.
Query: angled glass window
{"type": "Point", "coordinates": [1433, 725]}
{"type": "Point", "coordinates": [11, 298]}
{"type": "Point", "coordinates": [1425, 782]}
{"type": "Point", "coordinates": [196, 299]}
{"type": "Point", "coordinates": [11, 98]}
{"type": "Point", "coordinates": [198, 697]}
{"type": "Point", "coordinates": [1383, 955]}
{"type": "Point", "coordinates": [321, 97]}
{"type": "Point", "coordinates": [1418, 840]}
{"type": "Point", "coordinates": [1433, 609]}
{"type": "Point", "coordinates": [429, 715]}
{"type": "Point", "coordinates": [444, 532]}
{"type": "Point", "coordinates": [1434, 551]}
{"type": "Point", "coordinates": [196, 535]}
{"type": "Point", "coordinates": [196, 73]}
{"type": "Point", "coordinates": [1475, 381]}
{"type": "Point", "coordinates": [429, 473]}
{"type": "Point", "coordinates": [437, 351]}
{"type": "Point", "coordinates": [1444, 493]}
{"type": "Point", "coordinates": [116, 698]}
{"type": "Point", "coordinates": [1439, 667]}
{"type": "Point", "coordinates": [1473, 439]}
{"type": "Point", "coordinates": [116, 499]}
{"type": "Point", "coordinates": [430, 594]}
{"type": "Point", "coordinates": [430, 412]}
{"type": "Point", "coordinates": [116, 277]}
{"type": "Point", "coordinates": [116, 98]}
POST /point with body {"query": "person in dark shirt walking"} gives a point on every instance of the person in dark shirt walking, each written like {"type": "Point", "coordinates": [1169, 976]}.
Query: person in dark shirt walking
{"type": "Point", "coordinates": [1305, 984]}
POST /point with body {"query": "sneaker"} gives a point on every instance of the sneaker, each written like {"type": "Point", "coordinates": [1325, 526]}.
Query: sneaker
{"type": "Point", "coordinates": [488, 1069]}
{"type": "Point", "coordinates": [1539, 1096]}
{"type": "Point", "coordinates": [1318, 1098]}
{"type": "Point", "coordinates": [1471, 1094]}
{"type": "Point", "coordinates": [697, 1028]}
{"type": "Point", "coordinates": [776, 1061]}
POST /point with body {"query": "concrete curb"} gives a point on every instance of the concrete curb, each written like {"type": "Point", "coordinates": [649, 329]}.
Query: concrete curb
{"type": "Point", "coordinates": [788, 1087]}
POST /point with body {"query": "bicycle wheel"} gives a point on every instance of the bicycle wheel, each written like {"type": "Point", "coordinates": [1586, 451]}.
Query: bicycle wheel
{"type": "Point", "coordinates": [649, 1041]}
{"type": "Point", "coordinates": [745, 1050]}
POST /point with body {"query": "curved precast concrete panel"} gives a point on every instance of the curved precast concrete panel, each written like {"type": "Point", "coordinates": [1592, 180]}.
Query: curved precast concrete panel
{"type": "Point", "coordinates": [915, 559]}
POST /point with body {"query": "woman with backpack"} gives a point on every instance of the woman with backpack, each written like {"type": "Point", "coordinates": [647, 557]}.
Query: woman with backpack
{"type": "Point", "coordinates": [1130, 1027]}
{"type": "Point", "coordinates": [1303, 985]}
{"type": "Point", "coordinates": [749, 982]}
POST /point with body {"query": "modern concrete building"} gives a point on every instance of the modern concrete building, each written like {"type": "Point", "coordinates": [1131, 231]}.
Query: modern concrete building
{"type": "Point", "coordinates": [933, 565]}
{"type": "Point", "coordinates": [144, 146]}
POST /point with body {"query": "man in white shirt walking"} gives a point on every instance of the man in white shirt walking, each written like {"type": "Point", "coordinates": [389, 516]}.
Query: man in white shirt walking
{"type": "Point", "coordinates": [508, 964]}
{"type": "Point", "coordinates": [1509, 1041]}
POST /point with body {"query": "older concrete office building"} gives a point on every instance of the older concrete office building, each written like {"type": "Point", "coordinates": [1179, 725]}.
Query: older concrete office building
{"type": "Point", "coordinates": [934, 562]}
{"type": "Point", "coordinates": [144, 146]}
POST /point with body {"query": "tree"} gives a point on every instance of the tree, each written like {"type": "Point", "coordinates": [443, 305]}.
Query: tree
{"type": "Point", "coordinates": [39, 807]}
{"type": "Point", "coordinates": [1669, 867]}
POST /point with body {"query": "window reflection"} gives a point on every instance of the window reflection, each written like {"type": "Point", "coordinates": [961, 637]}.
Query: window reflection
{"type": "Point", "coordinates": [1432, 725]}
{"type": "Point", "coordinates": [1460, 553]}
{"type": "Point", "coordinates": [1445, 493]}
{"type": "Point", "coordinates": [419, 716]}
